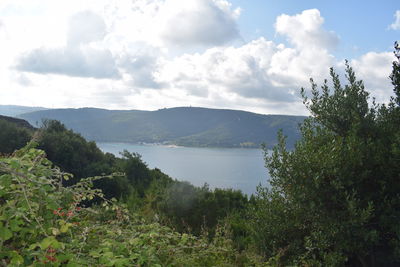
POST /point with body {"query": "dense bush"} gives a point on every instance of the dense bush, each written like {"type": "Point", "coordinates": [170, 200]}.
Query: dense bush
{"type": "Point", "coordinates": [13, 136]}
{"type": "Point", "coordinates": [181, 205]}
{"type": "Point", "coordinates": [197, 209]}
{"type": "Point", "coordinates": [335, 199]}
{"type": "Point", "coordinates": [72, 153]}
{"type": "Point", "coordinates": [43, 223]}
{"type": "Point", "coordinates": [150, 192]}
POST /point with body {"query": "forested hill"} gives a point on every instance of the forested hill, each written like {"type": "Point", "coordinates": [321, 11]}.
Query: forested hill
{"type": "Point", "coordinates": [17, 122]}
{"type": "Point", "coordinates": [14, 134]}
{"type": "Point", "coordinates": [186, 126]}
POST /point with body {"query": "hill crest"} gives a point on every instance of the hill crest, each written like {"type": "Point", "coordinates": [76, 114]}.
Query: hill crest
{"type": "Point", "coordinates": [185, 126]}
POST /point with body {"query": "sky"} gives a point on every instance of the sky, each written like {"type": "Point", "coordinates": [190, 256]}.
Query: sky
{"type": "Point", "coordinates": [152, 54]}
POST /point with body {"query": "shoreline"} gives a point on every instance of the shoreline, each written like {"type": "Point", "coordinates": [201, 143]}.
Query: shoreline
{"type": "Point", "coordinates": [176, 146]}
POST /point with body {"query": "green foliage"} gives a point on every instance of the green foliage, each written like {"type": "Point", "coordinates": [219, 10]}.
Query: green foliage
{"type": "Point", "coordinates": [136, 171]}
{"type": "Point", "coordinates": [192, 209]}
{"type": "Point", "coordinates": [150, 192]}
{"type": "Point", "coordinates": [395, 76]}
{"type": "Point", "coordinates": [43, 223]}
{"type": "Point", "coordinates": [334, 199]}
{"type": "Point", "coordinates": [72, 152]}
{"type": "Point", "coordinates": [13, 135]}
{"type": "Point", "coordinates": [187, 126]}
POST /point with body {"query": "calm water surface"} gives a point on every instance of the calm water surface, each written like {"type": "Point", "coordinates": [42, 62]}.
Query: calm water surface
{"type": "Point", "coordinates": [219, 167]}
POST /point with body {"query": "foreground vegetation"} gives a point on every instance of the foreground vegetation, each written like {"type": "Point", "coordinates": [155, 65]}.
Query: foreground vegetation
{"type": "Point", "coordinates": [44, 223]}
{"type": "Point", "coordinates": [334, 199]}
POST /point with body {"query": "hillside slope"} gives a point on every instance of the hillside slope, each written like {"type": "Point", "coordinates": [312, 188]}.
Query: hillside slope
{"type": "Point", "coordinates": [186, 126]}
{"type": "Point", "coordinates": [17, 122]}
{"type": "Point", "coordinates": [14, 134]}
{"type": "Point", "coordinates": [14, 111]}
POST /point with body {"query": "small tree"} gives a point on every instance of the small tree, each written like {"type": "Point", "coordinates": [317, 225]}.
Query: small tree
{"type": "Point", "coordinates": [335, 199]}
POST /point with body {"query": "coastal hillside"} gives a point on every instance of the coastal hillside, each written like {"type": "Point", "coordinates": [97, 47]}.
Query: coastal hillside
{"type": "Point", "coordinates": [17, 122]}
{"type": "Point", "coordinates": [14, 134]}
{"type": "Point", "coordinates": [185, 126]}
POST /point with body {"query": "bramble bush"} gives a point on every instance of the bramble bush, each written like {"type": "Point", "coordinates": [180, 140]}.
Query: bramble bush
{"type": "Point", "coordinates": [149, 192]}
{"type": "Point", "coordinates": [43, 223]}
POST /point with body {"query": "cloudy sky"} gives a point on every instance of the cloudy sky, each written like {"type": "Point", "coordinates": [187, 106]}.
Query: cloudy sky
{"type": "Point", "coordinates": [150, 54]}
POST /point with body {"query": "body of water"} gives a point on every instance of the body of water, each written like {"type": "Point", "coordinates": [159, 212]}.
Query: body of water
{"type": "Point", "coordinates": [219, 167]}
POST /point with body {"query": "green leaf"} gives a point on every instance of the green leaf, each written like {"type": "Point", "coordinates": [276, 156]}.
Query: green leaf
{"type": "Point", "coordinates": [46, 243]}
{"type": "Point", "coordinates": [49, 241]}
{"type": "Point", "coordinates": [14, 225]}
{"type": "Point", "coordinates": [64, 228]}
{"type": "Point", "coordinates": [94, 254]}
{"type": "Point", "coordinates": [73, 264]}
{"type": "Point", "coordinates": [64, 257]}
{"type": "Point", "coordinates": [33, 246]}
{"type": "Point", "coordinates": [55, 231]}
{"type": "Point", "coordinates": [5, 233]}
{"type": "Point", "coordinates": [121, 262]}
{"type": "Point", "coordinates": [16, 259]}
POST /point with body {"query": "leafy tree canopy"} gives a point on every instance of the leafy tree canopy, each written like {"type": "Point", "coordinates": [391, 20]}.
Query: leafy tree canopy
{"type": "Point", "coordinates": [335, 198]}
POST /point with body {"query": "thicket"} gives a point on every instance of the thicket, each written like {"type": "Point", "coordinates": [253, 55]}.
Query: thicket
{"type": "Point", "coordinates": [150, 192]}
{"type": "Point", "coordinates": [43, 223]}
{"type": "Point", "coordinates": [13, 136]}
{"type": "Point", "coordinates": [335, 199]}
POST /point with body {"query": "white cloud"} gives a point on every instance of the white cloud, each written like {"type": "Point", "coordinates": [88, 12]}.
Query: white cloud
{"type": "Point", "coordinates": [129, 32]}
{"type": "Point", "coordinates": [85, 27]}
{"type": "Point", "coordinates": [77, 62]}
{"type": "Point", "coordinates": [54, 91]}
{"type": "Point", "coordinates": [242, 71]}
{"type": "Point", "coordinates": [259, 69]}
{"type": "Point", "coordinates": [374, 69]}
{"type": "Point", "coordinates": [140, 68]}
{"type": "Point", "coordinates": [80, 57]}
{"type": "Point", "coordinates": [150, 54]}
{"type": "Point", "coordinates": [20, 78]}
{"type": "Point", "coordinates": [172, 24]}
{"type": "Point", "coordinates": [198, 22]}
{"type": "Point", "coordinates": [396, 24]}
{"type": "Point", "coordinates": [305, 30]}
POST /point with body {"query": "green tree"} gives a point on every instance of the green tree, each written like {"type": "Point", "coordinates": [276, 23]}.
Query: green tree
{"type": "Point", "coordinates": [136, 171]}
{"type": "Point", "coordinates": [334, 199]}
{"type": "Point", "coordinates": [73, 154]}
{"type": "Point", "coordinates": [13, 136]}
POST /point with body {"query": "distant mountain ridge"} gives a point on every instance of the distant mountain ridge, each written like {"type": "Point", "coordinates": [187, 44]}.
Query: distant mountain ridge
{"type": "Point", "coordinates": [185, 126]}
{"type": "Point", "coordinates": [14, 111]}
